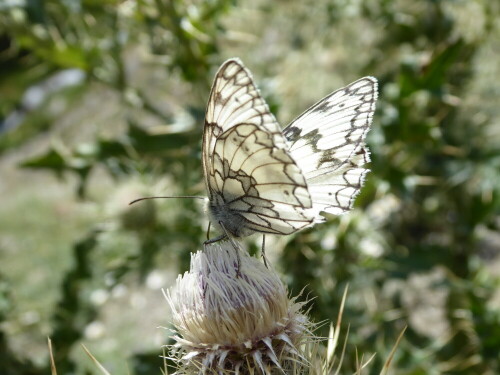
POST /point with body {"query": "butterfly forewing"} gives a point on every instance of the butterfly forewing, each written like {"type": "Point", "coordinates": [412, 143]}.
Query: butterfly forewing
{"type": "Point", "coordinates": [327, 141]}
{"type": "Point", "coordinates": [253, 183]}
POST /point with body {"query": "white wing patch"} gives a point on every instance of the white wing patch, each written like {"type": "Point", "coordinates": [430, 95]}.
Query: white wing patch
{"type": "Point", "coordinates": [253, 183]}
{"type": "Point", "coordinates": [328, 143]}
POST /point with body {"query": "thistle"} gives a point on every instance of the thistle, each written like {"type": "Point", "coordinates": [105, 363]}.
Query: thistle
{"type": "Point", "coordinates": [229, 324]}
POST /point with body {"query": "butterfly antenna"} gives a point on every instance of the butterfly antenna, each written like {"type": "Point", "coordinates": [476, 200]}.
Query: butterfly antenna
{"type": "Point", "coordinates": [181, 196]}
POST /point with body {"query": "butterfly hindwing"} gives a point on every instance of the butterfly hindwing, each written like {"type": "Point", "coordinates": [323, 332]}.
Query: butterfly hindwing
{"type": "Point", "coordinates": [328, 143]}
{"type": "Point", "coordinates": [253, 183]}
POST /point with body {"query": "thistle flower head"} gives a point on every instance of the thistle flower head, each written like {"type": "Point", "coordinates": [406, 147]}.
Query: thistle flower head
{"type": "Point", "coordinates": [234, 324]}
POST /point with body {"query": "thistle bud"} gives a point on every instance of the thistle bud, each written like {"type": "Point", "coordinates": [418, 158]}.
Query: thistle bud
{"type": "Point", "coordinates": [233, 316]}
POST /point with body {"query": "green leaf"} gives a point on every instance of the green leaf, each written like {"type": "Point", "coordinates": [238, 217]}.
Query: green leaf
{"type": "Point", "coordinates": [52, 160]}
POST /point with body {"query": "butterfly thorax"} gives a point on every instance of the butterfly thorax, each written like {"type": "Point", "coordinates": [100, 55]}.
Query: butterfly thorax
{"type": "Point", "coordinates": [219, 212]}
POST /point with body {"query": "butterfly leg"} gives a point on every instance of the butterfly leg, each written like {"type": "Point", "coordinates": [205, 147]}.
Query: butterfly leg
{"type": "Point", "coordinates": [263, 250]}
{"type": "Point", "coordinates": [208, 231]}
{"type": "Point", "coordinates": [216, 239]}
{"type": "Point", "coordinates": [235, 246]}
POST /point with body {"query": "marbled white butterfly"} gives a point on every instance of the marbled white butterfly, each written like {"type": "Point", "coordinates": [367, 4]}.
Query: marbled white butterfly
{"type": "Point", "coordinates": [262, 179]}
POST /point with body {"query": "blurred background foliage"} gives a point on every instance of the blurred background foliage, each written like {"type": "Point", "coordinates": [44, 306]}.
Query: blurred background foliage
{"type": "Point", "coordinates": [103, 102]}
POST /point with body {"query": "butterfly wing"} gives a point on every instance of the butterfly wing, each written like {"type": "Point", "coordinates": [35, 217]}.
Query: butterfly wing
{"type": "Point", "coordinates": [253, 183]}
{"type": "Point", "coordinates": [328, 142]}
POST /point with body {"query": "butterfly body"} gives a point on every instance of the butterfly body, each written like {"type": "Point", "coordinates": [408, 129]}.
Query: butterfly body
{"type": "Point", "coordinates": [234, 224]}
{"type": "Point", "coordinates": [260, 179]}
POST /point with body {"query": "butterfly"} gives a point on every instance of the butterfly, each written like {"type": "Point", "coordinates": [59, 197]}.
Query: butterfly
{"type": "Point", "coordinates": [262, 179]}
